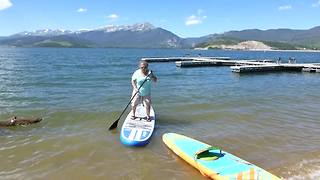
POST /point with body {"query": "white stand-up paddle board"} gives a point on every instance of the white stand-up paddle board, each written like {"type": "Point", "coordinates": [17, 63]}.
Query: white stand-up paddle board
{"type": "Point", "coordinates": [138, 131]}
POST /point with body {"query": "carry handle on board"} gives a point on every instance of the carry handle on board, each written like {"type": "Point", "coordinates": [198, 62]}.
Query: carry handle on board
{"type": "Point", "coordinates": [203, 153]}
{"type": "Point", "coordinates": [115, 123]}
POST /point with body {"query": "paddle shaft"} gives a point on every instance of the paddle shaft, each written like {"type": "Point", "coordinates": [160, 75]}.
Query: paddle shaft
{"type": "Point", "coordinates": [115, 124]}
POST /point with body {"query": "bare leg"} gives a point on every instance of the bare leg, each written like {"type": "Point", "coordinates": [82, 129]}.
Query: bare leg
{"type": "Point", "coordinates": [134, 107]}
{"type": "Point", "coordinates": [148, 110]}
{"type": "Point", "coordinates": [134, 104]}
{"type": "Point", "coordinates": [147, 101]}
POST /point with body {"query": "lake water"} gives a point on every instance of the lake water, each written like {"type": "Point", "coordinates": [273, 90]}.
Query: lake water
{"type": "Point", "coordinates": [269, 119]}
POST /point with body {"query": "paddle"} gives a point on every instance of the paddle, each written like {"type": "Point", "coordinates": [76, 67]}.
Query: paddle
{"type": "Point", "coordinates": [115, 124]}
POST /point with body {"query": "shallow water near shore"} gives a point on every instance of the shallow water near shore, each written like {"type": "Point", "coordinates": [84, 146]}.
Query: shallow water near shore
{"type": "Point", "coordinates": [269, 119]}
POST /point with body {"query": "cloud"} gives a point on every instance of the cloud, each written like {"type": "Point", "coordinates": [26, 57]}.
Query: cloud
{"type": "Point", "coordinates": [4, 4]}
{"type": "Point", "coordinates": [113, 17]}
{"type": "Point", "coordinates": [195, 19]}
{"type": "Point", "coordinates": [284, 8]}
{"type": "Point", "coordinates": [81, 10]}
{"type": "Point", "coordinates": [317, 4]}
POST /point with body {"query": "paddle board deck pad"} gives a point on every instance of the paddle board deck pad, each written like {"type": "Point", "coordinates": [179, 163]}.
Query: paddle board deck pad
{"type": "Point", "coordinates": [213, 162]}
{"type": "Point", "coordinates": [138, 131]}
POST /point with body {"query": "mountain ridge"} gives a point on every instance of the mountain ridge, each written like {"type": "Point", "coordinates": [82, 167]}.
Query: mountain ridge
{"type": "Point", "coordinates": [108, 28]}
{"type": "Point", "coordinates": [145, 35]}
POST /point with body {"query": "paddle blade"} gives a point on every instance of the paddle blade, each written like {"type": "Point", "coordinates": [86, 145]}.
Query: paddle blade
{"type": "Point", "coordinates": [114, 125]}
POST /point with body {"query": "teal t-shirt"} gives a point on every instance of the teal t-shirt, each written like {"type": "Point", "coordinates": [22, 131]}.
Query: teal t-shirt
{"type": "Point", "coordinates": [145, 90]}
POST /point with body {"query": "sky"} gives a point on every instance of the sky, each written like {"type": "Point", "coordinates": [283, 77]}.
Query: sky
{"type": "Point", "coordinates": [186, 18]}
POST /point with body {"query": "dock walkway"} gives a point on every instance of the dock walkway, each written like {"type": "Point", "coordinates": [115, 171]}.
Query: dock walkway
{"type": "Point", "coordinates": [239, 66]}
{"type": "Point", "coordinates": [174, 59]}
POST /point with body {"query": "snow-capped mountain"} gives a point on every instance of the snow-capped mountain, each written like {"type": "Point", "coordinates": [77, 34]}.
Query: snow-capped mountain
{"type": "Point", "coordinates": [139, 27]}
{"type": "Point", "coordinates": [141, 35]}
{"type": "Point", "coordinates": [43, 32]}
{"type": "Point", "coordinates": [136, 27]}
{"type": "Point", "coordinates": [145, 35]}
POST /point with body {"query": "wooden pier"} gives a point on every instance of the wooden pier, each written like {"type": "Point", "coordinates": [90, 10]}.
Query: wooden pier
{"type": "Point", "coordinates": [239, 66]}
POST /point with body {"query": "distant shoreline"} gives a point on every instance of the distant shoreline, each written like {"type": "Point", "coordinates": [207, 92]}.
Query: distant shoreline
{"type": "Point", "coordinates": [294, 50]}
{"type": "Point", "coordinates": [287, 50]}
{"type": "Point", "coordinates": [263, 50]}
{"type": "Point", "coordinates": [201, 49]}
{"type": "Point", "coordinates": [253, 45]}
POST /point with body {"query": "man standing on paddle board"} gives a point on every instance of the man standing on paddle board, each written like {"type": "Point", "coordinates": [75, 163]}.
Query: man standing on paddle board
{"type": "Point", "coordinates": [142, 76]}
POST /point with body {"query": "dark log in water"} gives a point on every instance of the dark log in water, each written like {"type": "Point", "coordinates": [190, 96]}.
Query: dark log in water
{"type": "Point", "coordinates": [15, 121]}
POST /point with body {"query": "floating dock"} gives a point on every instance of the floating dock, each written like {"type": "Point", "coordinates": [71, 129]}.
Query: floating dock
{"type": "Point", "coordinates": [313, 68]}
{"type": "Point", "coordinates": [255, 68]}
{"type": "Point", "coordinates": [174, 59]}
{"type": "Point", "coordinates": [270, 67]}
{"type": "Point", "coordinates": [262, 68]}
{"type": "Point", "coordinates": [239, 66]}
{"type": "Point", "coordinates": [198, 62]}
